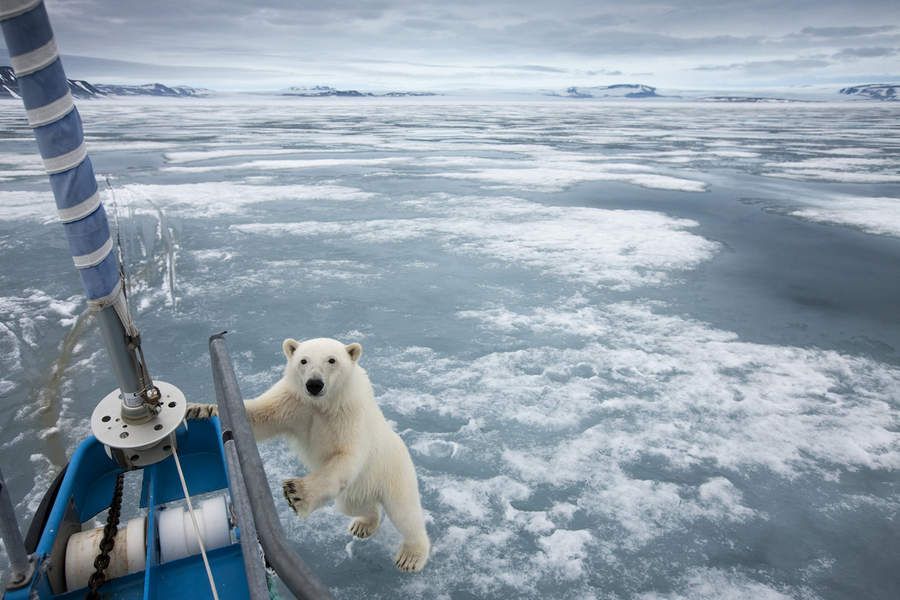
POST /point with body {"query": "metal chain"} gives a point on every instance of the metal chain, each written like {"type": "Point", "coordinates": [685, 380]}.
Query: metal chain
{"type": "Point", "coordinates": [108, 542]}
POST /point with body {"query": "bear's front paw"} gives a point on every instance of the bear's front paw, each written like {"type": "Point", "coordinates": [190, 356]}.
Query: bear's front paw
{"type": "Point", "coordinates": [296, 492]}
{"type": "Point", "coordinates": [201, 411]}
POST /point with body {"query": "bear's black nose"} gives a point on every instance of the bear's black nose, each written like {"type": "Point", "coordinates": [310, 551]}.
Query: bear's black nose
{"type": "Point", "coordinates": [314, 386]}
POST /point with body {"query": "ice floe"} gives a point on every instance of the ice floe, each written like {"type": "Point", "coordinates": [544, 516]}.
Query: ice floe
{"type": "Point", "coordinates": [621, 249]}
{"type": "Point", "coordinates": [16, 205]}
{"type": "Point", "coordinates": [565, 427]}
{"type": "Point", "coordinates": [291, 164]}
{"type": "Point", "coordinates": [724, 584]}
{"type": "Point", "coordinates": [875, 215]}
{"type": "Point", "coordinates": [207, 199]}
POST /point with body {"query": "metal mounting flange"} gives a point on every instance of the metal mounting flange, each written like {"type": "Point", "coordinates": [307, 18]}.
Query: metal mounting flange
{"type": "Point", "coordinates": [139, 444]}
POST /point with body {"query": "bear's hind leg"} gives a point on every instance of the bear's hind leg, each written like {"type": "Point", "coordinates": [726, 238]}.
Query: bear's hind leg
{"type": "Point", "coordinates": [367, 513]}
{"type": "Point", "coordinates": [406, 515]}
{"type": "Point", "coordinates": [364, 527]}
{"type": "Point", "coordinates": [411, 558]}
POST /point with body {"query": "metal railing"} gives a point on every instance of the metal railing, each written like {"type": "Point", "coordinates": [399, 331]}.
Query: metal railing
{"type": "Point", "coordinates": [248, 470]}
{"type": "Point", "coordinates": [21, 566]}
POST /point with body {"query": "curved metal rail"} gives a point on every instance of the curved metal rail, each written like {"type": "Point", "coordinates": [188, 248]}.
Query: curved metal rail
{"type": "Point", "coordinates": [236, 430]}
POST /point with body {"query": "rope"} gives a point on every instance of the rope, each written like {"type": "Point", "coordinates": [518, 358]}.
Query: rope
{"type": "Point", "coordinates": [187, 496]}
{"type": "Point", "coordinates": [120, 250]}
{"type": "Point", "coordinates": [118, 299]}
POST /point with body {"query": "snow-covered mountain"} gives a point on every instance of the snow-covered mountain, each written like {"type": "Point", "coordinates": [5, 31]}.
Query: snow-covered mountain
{"type": "Point", "coordinates": [320, 90]}
{"type": "Point", "coordinates": [620, 90]}
{"type": "Point", "coordinates": [325, 90]}
{"type": "Point", "coordinates": [874, 91]}
{"type": "Point", "coordinates": [149, 89]}
{"type": "Point", "coordinates": [9, 88]}
{"type": "Point", "coordinates": [403, 94]}
{"type": "Point", "coordinates": [747, 99]}
{"type": "Point", "coordinates": [82, 89]}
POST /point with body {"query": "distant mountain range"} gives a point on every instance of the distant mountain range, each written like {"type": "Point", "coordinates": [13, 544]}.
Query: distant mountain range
{"type": "Point", "coordinates": [9, 88]}
{"type": "Point", "coordinates": [319, 91]}
{"type": "Point", "coordinates": [149, 89]}
{"type": "Point", "coordinates": [620, 90]}
{"type": "Point", "coordinates": [751, 99]}
{"type": "Point", "coordinates": [874, 91]}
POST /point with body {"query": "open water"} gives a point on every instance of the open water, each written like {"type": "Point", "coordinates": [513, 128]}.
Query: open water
{"type": "Point", "coordinates": [637, 350]}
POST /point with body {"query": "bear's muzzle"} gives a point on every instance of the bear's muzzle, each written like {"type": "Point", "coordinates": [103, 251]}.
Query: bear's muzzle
{"type": "Point", "coordinates": [315, 386]}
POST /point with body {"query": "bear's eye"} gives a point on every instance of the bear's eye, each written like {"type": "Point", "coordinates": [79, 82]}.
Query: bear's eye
{"type": "Point", "coordinates": [331, 361]}
{"type": "Point", "coordinates": [302, 361]}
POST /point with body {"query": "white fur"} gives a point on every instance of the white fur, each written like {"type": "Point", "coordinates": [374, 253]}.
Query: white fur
{"type": "Point", "coordinates": [352, 454]}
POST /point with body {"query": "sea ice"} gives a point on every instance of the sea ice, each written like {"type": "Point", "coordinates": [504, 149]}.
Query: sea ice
{"type": "Point", "coordinates": [621, 249]}
{"type": "Point", "coordinates": [208, 199]}
{"type": "Point", "coordinates": [573, 438]}
{"type": "Point", "coordinates": [875, 215]}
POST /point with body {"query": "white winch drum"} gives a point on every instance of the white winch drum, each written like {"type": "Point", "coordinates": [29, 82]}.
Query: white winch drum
{"type": "Point", "coordinates": [177, 537]}
{"type": "Point", "coordinates": [127, 556]}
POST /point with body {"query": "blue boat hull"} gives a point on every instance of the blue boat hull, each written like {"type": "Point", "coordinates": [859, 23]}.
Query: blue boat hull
{"type": "Point", "coordinates": [86, 491]}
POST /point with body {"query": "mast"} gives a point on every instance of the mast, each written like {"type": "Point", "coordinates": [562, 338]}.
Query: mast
{"type": "Point", "coordinates": [136, 422]}
{"type": "Point", "coordinates": [57, 127]}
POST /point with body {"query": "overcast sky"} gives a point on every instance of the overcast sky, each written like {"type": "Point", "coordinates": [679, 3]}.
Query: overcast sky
{"type": "Point", "coordinates": [488, 44]}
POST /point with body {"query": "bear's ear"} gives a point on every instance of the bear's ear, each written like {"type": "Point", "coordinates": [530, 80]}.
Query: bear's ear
{"type": "Point", "coordinates": [289, 346]}
{"type": "Point", "coordinates": [354, 350]}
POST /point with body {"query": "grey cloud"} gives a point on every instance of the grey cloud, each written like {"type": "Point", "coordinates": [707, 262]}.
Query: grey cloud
{"type": "Point", "coordinates": [578, 38]}
{"type": "Point", "coordinates": [731, 67]}
{"type": "Point", "coordinates": [532, 68]}
{"type": "Point", "coordinates": [870, 52]}
{"type": "Point", "coordinates": [766, 67]}
{"type": "Point", "coordinates": [831, 32]}
{"type": "Point", "coordinates": [603, 20]}
{"type": "Point", "coordinates": [608, 72]}
{"type": "Point", "coordinates": [517, 41]}
{"type": "Point", "coordinates": [424, 24]}
{"type": "Point", "coordinates": [507, 67]}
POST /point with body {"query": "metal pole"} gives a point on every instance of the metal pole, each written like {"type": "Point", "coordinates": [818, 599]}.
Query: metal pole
{"type": "Point", "coordinates": [20, 566]}
{"type": "Point", "coordinates": [289, 566]}
{"type": "Point", "coordinates": [120, 355]}
{"type": "Point", "coordinates": [253, 563]}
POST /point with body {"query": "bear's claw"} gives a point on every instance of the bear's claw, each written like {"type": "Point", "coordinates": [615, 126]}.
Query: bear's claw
{"type": "Point", "coordinates": [410, 560]}
{"type": "Point", "coordinates": [201, 411]}
{"type": "Point", "coordinates": [296, 495]}
{"type": "Point", "coordinates": [363, 528]}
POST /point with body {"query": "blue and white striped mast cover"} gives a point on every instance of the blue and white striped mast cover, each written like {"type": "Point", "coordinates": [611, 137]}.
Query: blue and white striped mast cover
{"type": "Point", "coordinates": [56, 123]}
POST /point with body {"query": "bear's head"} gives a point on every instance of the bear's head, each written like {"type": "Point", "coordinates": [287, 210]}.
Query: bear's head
{"type": "Point", "coordinates": [319, 368]}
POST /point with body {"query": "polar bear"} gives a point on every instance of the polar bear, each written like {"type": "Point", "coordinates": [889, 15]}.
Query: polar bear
{"type": "Point", "coordinates": [325, 407]}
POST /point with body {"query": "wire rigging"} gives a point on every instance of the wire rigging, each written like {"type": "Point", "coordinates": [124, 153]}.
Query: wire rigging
{"type": "Point", "coordinates": [187, 497]}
